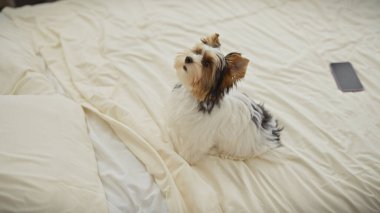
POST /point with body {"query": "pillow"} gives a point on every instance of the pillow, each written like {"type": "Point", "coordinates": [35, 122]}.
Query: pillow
{"type": "Point", "coordinates": [47, 163]}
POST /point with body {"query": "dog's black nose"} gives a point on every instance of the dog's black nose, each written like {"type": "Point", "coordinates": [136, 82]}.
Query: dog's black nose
{"type": "Point", "coordinates": [188, 60]}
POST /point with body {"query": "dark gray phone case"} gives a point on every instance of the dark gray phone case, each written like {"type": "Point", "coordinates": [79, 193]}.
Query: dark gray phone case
{"type": "Point", "coordinates": [345, 77]}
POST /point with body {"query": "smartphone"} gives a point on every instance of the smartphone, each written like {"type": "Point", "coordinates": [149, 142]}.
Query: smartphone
{"type": "Point", "coordinates": [345, 77]}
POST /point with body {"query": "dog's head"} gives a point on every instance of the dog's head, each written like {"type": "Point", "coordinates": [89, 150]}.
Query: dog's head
{"type": "Point", "coordinates": [206, 72]}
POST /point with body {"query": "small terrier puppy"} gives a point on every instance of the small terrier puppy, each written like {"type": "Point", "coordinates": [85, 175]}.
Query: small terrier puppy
{"type": "Point", "coordinates": [207, 115]}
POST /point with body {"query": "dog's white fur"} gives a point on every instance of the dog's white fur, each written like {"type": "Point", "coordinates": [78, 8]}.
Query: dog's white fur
{"type": "Point", "coordinates": [227, 130]}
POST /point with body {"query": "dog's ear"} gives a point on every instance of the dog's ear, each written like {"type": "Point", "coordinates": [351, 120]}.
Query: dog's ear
{"type": "Point", "coordinates": [211, 40]}
{"type": "Point", "coordinates": [236, 68]}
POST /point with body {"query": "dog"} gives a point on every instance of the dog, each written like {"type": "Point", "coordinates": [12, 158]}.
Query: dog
{"type": "Point", "coordinates": [208, 115]}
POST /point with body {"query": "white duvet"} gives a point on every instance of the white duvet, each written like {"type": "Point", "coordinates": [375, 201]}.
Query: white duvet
{"type": "Point", "coordinates": [116, 59]}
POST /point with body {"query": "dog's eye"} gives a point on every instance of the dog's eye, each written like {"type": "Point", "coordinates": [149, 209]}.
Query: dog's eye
{"type": "Point", "coordinates": [205, 63]}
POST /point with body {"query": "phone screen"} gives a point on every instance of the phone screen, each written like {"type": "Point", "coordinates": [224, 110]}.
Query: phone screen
{"type": "Point", "coordinates": [345, 77]}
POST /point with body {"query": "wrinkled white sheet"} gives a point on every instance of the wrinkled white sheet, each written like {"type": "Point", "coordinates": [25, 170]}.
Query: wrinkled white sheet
{"type": "Point", "coordinates": [115, 58]}
{"type": "Point", "coordinates": [128, 186]}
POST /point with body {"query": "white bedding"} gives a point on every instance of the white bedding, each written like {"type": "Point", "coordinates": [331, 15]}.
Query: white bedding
{"type": "Point", "coordinates": [115, 58]}
{"type": "Point", "coordinates": [127, 185]}
{"type": "Point", "coordinates": [47, 163]}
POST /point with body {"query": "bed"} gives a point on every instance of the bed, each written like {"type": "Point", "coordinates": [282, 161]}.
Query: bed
{"type": "Point", "coordinates": [83, 87]}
